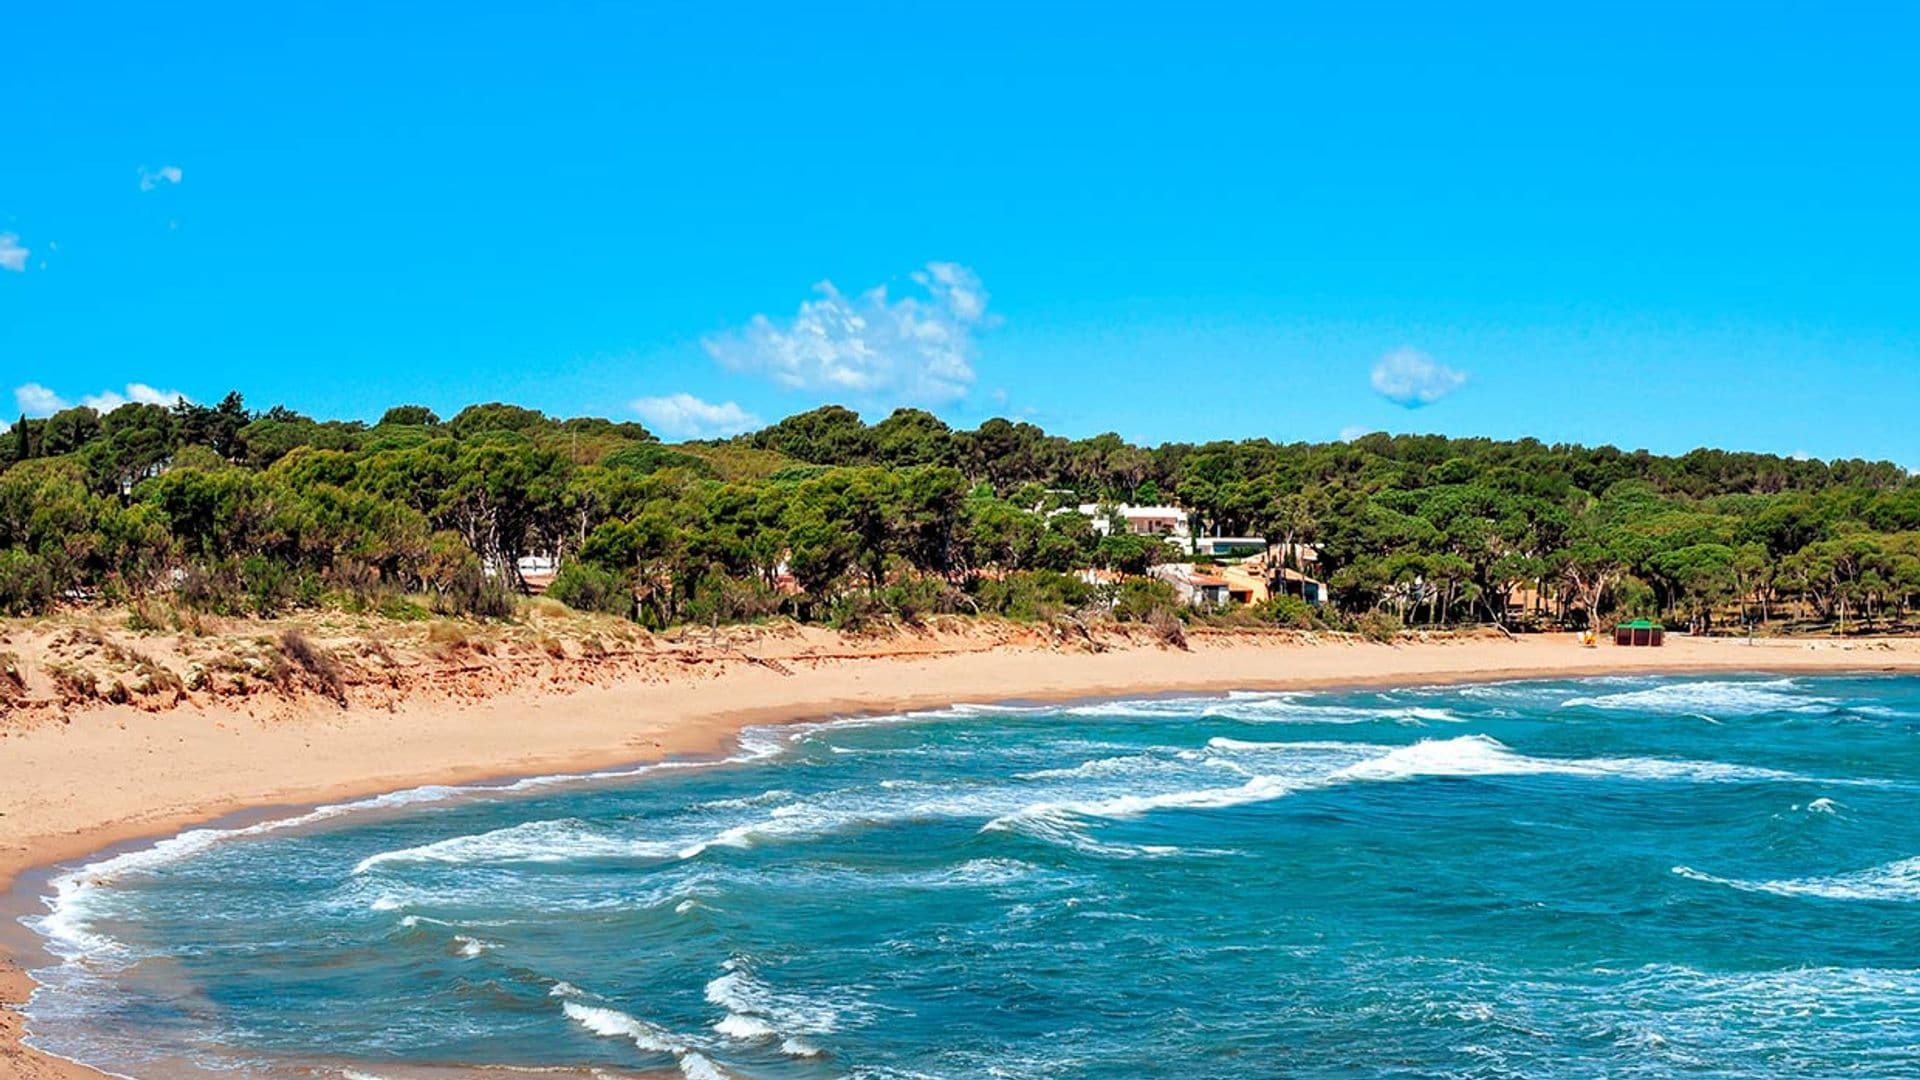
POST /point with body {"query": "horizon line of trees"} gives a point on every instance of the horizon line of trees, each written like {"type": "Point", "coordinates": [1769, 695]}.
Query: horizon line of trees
{"type": "Point", "coordinates": [823, 516]}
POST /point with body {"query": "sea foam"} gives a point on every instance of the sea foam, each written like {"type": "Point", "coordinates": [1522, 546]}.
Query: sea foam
{"type": "Point", "coordinates": [67, 923]}
{"type": "Point", "coordinates": [534, 841]}
{"type": "Point", "coordinates": [1708, 699]}
{"type": "Point", "coordinates": [1892, 882]}
{"type": "Point", "coordinates": [614, 1024]}
{"type": "Point", "coordinates": [1313, 766]}
{"type": "Point", "coordinates": [756, 1012]}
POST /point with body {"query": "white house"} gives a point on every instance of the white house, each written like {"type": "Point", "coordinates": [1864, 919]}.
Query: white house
{"type": "Point", "coordinates": [1229, 547]}
{"type": "Point", "coordinates": [1171, 523]}
{"type": "Point", "coordinates": [1195, 587]}
{"type": "Point", "coordinates": [1167, 521]}
{"type": "Point", "coordinates": [537, 571]}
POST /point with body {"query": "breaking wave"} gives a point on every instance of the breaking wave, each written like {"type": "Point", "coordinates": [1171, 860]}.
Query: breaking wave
{"type": "Point", "coordinates": [1893, 882]}
{"type": "Point", "coordinates": [1327, 764]}
{"type": "Point", "coordinates": [1271, 770]}
{"type": "Point", "coordinates": [1707, 698]}
{"type": "Point", "coordinates": [756, 1012]}
{"type": "Point", "coordinates": [534, 841]}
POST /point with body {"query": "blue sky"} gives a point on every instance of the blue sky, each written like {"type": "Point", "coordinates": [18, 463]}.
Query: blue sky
{"type": "Point", "coordinates": [1653, 225]}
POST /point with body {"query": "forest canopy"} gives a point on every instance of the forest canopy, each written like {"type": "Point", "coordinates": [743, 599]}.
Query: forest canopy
{"type": "Point", "coordinates": [824, 516]}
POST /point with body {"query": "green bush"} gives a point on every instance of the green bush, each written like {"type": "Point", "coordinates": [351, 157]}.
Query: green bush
{"type": "Point", "coordinates": [747, 598]}
{"type": "Point", "coordinates": [402, 609]}
{"type": "Point", "coordinates": [854, 610]}
{"type": "Point", "coordinates": [1289, 611]}
{"type": "Point", "coordinates": [1032, 596]}
{"type": "Point", "coordinates": [1378, 625]}
{"type": "Point", "coordinates": [1145, 600]}
{"type": "Point", "coordinates": [718, 597]}
{"type": "Point", "coordinates": [914, 597]}
{"type": "Point", "coordinates": [269, 585]}
{"type": "Point", "coordinates": [310, 590]}
{"type": "Point", "coordinates": [583, 586]}
{"type": "Point", "coordinates": [469, 591]}
{"type": "Point", "coordinates": [212, 587]}
{"type": "Point", "coordinates": [1633, 599]}
{"type": "Point", "coordinates": [651, 458]}
{"type": "Point", "coordinates": [26, 587]}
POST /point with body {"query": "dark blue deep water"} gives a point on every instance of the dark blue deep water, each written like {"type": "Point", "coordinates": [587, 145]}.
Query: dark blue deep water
{"type": "Point", "coordinates": [1621, 877]}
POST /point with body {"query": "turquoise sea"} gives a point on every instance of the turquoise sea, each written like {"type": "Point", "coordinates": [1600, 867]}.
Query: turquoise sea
{"type": "Point", "coordinates": [1597, 877]}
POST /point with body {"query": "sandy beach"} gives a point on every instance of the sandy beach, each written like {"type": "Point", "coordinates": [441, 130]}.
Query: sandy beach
{"type": "Point", "coordinates": [72, 783]}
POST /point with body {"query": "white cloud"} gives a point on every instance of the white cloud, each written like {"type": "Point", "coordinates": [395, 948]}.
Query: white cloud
{"type": "Point", "coordinates": [107, 400]}
{"type": "Point", "coordinates": [1800, 455]}
{"type": "Point", "coordinates": [957, 287]}
{"type": "Point", "coordinates": [153, 178]}
{"type": "Point", "coordinates": [1354, 431]}
{"type": "Point", "coordinates": [913, 350]}
{"type": "Point", "coordinates": [37, 400]}
{"type": "Point", "coordinates": [684, 416]}
{"type": "Point", "coordinates": [12, 256]}
{"type": "Point", "coordinates": [1406, 376]}
{"type": "Point", "coordinates": [147, 395]}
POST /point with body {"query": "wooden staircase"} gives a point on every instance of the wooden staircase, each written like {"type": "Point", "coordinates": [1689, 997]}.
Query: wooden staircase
{"type": "Point", "coordinates": [767, 662]}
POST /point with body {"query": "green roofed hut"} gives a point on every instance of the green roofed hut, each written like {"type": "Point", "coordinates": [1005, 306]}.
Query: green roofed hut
{"type": "Point", "coordinates": [1643, 632]}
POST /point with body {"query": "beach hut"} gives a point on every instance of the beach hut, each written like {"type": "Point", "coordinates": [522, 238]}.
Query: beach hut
{"type": "Point", "coordinates": [1643, 632]}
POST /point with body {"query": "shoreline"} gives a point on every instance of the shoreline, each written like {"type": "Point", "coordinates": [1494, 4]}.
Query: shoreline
{"type": "Point", "coordinates": [86, 783]}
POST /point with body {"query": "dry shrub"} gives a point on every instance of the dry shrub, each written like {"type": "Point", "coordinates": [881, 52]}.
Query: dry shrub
{"type": "Point", "coordinates": [74, 683]}
{"type": "Point", "coordinates": [231, 664]}
{"type": "Point", "coordinates": [317, 665]}
{"type": "Point", "coordinates": [145, 617]}
{"type": "Point", "coordinates": [229, 673]}
{"type": "Point", "coordinates": [13, 679]}
{"type": "Point", "coordinates": [189, 621]}
{"type": "Point", "coordinates": [150, 677]}
{"type": "Point", "coordinates": [82, 640]}
{"type": "Point", "coordinates": [1168, 628]}
{"type": "Point", "coordinates": [116, 653]}
{"type": "Point", "coordinates": [1380, 626]}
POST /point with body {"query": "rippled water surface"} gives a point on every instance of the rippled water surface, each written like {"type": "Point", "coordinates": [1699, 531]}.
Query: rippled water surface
{"type": "Point", "coordinates": [1629, 876]}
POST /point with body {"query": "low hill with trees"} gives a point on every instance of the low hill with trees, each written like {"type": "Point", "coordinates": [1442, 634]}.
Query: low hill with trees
{"type": "Point", "coordinates": [823, 517]}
